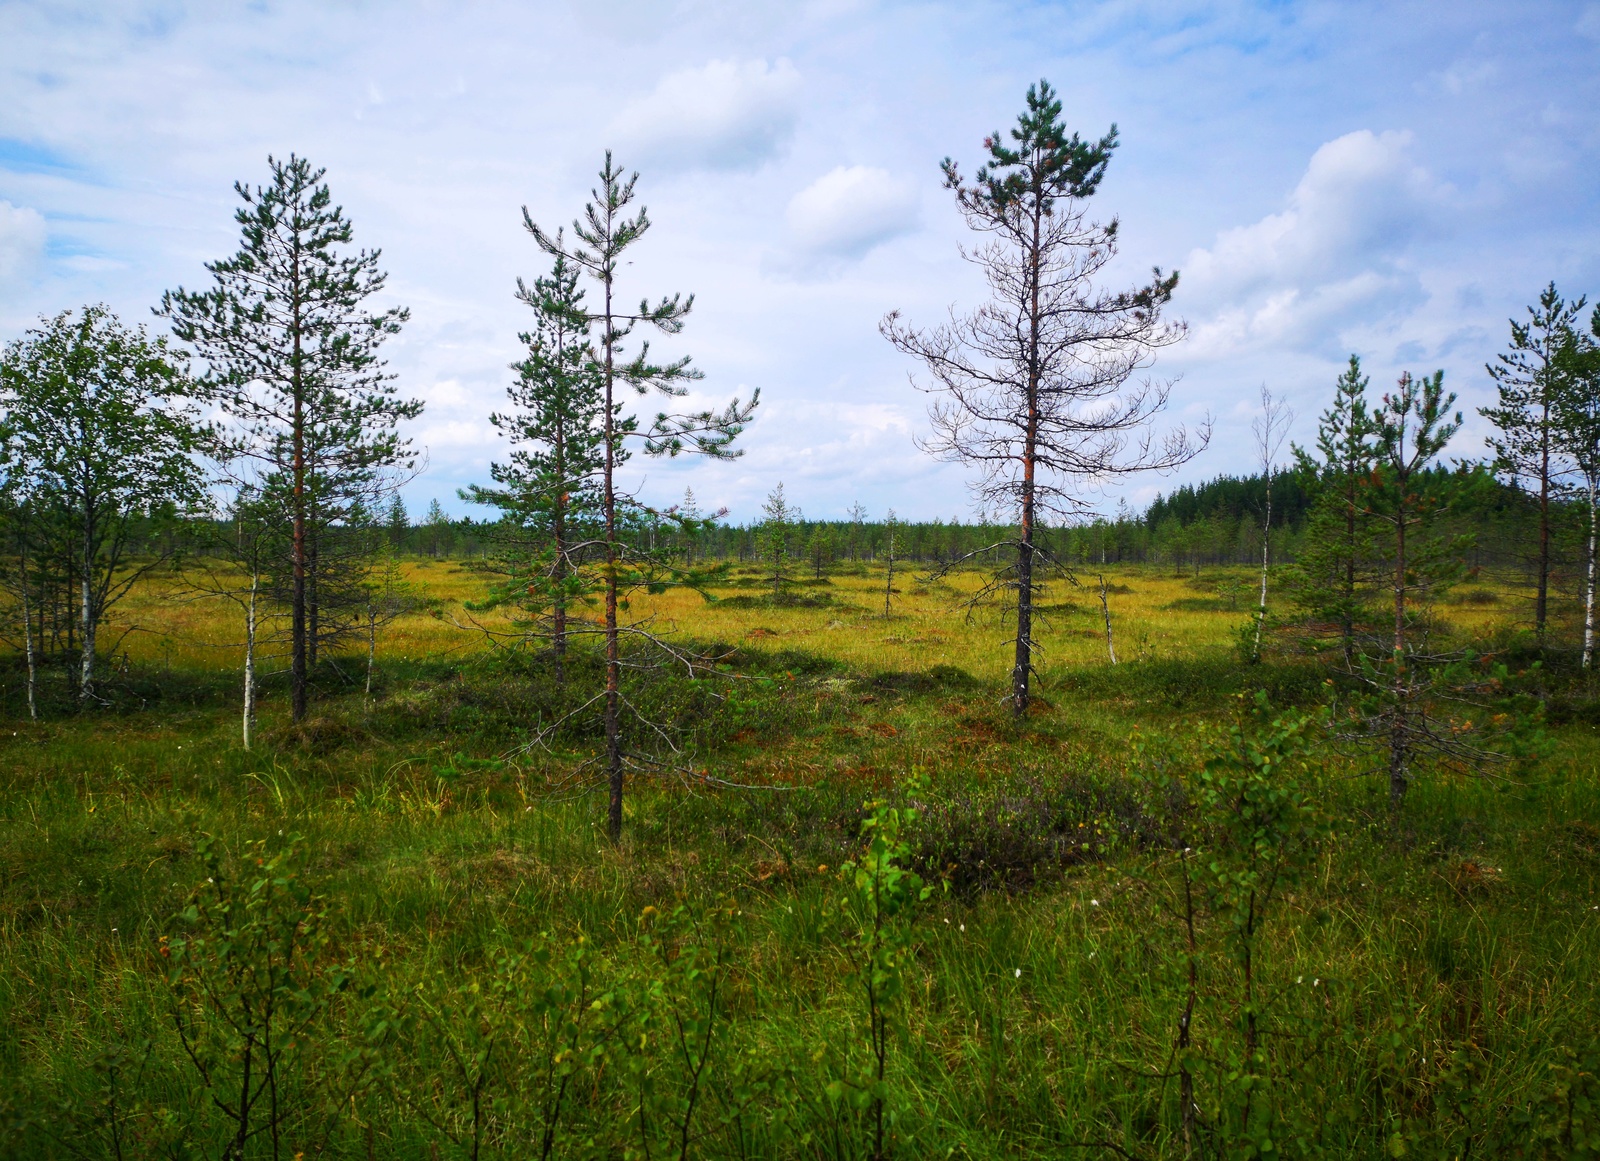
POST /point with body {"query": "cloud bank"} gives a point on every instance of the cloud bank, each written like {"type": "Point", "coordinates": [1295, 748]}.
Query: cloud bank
{"type": "Point", "coordinates": [726, 115]}
{"type": "Point", "coordinates": [1336, 253]}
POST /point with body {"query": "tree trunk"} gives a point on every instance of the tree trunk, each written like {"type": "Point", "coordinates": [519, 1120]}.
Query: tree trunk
{"type": "Point", "coordinates": [1399, 744]}
{"type": "Point", "coordinates": [1588, 585]}
{"type": "Point", "coordinates": [1542, 600]}
{"type": "Point", "coordinates": [1266, 549]}
{"type": "Point", "coordinates": [1105, 611]}
{"type": "Point", "coordinates": [1347, 606]}
{"type": "Point", "coordinates": [297, 622]}
{"type": "Point", "coordinates": [90, 619]}
{"type": "Point", "coordinates": [372, 645]}
{"type": "Point", "coordinates": [558, 612]}
{"type": "Point", "coordinates": [1022, 667]}
{"type": "Point", "coordinates": [27, 643]}
{"type": "Point", "coordinates": [250, 659]}
{"type": "Point", "coordinates": [613, 726]}
{"type": "Point", "coordinates": [313, 602]}
{"type": "Point", "coordinates": [888, 583]}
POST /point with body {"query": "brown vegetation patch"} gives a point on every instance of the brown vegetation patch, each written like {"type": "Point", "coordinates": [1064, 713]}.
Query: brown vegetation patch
{"type": "Point", "coordinates": [1471, 878]}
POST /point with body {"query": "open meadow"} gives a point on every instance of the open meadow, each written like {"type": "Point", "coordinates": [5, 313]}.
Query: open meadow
{"type": "Point", "coordinates": [405, 915]}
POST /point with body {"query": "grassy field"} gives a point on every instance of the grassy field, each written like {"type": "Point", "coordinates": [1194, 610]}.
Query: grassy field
{"type": "Point", "coordinates": [417, 912]}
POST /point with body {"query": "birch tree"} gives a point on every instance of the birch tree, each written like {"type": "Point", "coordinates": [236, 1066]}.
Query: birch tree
{"type": "Point", "coordinates": [1037, 390]}
{"type": "Point", "coordinates": [1575, 417]}
{"type": "Point", "coordinates": [98, 428]}
{"type": "Point", "coordinates": [1270, 429]}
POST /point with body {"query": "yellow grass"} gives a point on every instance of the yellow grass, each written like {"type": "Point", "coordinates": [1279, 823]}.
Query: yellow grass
{"type": "Point", "coordinates": [1155, 616]}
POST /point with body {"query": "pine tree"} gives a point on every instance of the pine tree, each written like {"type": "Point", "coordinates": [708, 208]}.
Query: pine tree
{"type": "Point", "coordinates": [1525, 450]}
{"type": "Point", "coordinates": [98, 441]}
{"type": "Point", "coordinates": [820, 549]}
{"type": "Point", "coordinates": [291, 342]}
{"type": "Point", "coordinates": [1036, 390]}
{"type": "Point", "coordinates": [691, 522]}
{"type": "Point", "coordinates": [1409, 432]}
{"type": "Point", "coordinates": [1330, 585]}
{"type": "Point", "coordinates": [778, 517]}
{"type": "Point", "coordinates": [549, 491]}
{"type": "Point", "coordinates": [604, 234]}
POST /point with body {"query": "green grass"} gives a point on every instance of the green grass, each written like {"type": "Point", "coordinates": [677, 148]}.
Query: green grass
{"type": "Point", "coordinates": [1423, 980]}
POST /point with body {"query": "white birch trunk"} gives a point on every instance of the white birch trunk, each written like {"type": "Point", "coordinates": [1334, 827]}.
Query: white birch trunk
{"type": "Point", "coordinates": [1588, 586]}
{"type": "Point", "coordinates": [86, 675]}
{"type": "Point", "coordinates": [1266, 548]}
{"type": "Point", "coordinates": [250, 659]}
{"type": "Point", "coordinates": [27, 644]}
{"type": "Point", "coordinates": [1105, 610]}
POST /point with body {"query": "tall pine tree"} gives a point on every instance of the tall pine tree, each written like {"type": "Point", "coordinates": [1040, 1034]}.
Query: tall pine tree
{"type": "Point", "coordinates": [1525, 450]}
{"type": "Point", "coordinates": [290, 338]}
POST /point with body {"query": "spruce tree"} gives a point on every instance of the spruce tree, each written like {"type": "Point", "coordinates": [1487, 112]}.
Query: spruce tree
{"type": "Point", "coordinates": [549, 490]}
{"type": "Point", "coordinates": [605, 232]}
{"type": "Point", "coordinates": [398, 522]}
{"type": "Point", "coordinates": [291, 340]}
{"type": "Point", "coordinates": [437, 524]}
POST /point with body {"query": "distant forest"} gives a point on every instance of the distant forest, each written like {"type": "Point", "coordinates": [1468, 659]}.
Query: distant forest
{"type": "Point", "coordinates": [1215, 523]}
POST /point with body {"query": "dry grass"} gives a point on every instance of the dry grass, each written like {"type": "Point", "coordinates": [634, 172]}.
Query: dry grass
{"type": "Point", "coordinates": [1155, 616]}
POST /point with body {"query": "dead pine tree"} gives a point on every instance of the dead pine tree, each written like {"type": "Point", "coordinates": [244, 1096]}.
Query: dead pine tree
{"type": "Point", "coordinates": [606, 230]}
{"type": "Point", "coordinates": [1036, 390]}
{"type": "Point", "coordinates": [1270, 429]}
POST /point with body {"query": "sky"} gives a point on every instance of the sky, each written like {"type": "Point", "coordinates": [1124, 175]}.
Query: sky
{"type": "Point", "coordinates": [1390, 179]}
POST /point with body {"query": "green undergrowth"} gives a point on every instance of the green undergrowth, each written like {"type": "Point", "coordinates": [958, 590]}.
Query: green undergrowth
{"type": "Point", "coordinates": [465, 967]}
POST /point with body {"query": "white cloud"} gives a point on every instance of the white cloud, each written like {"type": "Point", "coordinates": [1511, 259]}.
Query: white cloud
{"type": "Point", "coordinates": [851, 209]}
{"type": "Point", "coordinates": [22, 235]}
{"type": "Point", "coordinates": [726, 115]}
{"type": "Point", "coordinates": [1336, 251]}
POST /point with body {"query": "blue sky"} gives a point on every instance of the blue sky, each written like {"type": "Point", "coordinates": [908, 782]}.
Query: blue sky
{"type": "Point", "coordinates": [1391, 179]}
